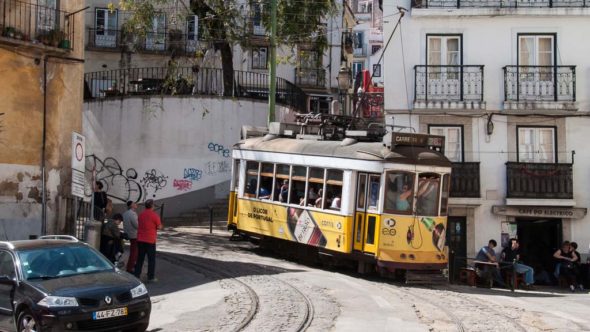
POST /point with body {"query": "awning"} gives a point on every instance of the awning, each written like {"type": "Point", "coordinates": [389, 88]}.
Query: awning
{"type": "Point", "coordinates": [539, 211]}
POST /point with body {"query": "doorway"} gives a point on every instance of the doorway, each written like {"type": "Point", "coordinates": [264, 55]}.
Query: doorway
{"type": "Point", "coordinates": [366, 213]}
{"type": "Point", "coordinates": [457, 242]}
{"type": "Point", "coordinates": [539, 239]}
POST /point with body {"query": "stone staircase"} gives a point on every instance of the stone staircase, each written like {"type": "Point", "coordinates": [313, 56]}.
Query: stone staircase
{"type": "Point", "coordinates": [201, 217]}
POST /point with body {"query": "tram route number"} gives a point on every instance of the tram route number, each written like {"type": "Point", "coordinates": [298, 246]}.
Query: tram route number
{"type": "Point", "coordinates": [388, 231]}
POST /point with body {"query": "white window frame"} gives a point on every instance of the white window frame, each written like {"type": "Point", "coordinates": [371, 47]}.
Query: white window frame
{"type": "Point", "coordinates": [258, 55]}
{"type": "Point", "coordinates": [532, 148]}
{"type": "Point", "coordinates": [536, 51]}
{"type": "Point", "coordinates": [192, 33]}
{"type": "Point", "coordinates": [106, 35]}
{"type": "Point", "coordinates": [155, 39]}
{"type": "Point", "coordinates": [257, 25]}
{"type": "Point", "coordinates": [47, 15]}
{"type": "Point", "coordinates": [455, 147]}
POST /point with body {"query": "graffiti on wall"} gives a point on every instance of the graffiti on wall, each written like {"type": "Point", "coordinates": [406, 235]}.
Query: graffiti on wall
{"type": "Point", "coordinates": [219, 149]}
{"type": "Point", "coordinates": [154, 179]}
{"type": "Point", "coordinates": [182, 185]}
{"type": "Point", "coordinates": [192, 174]}
{"type": "Point", "coordinates": [216, 167]}
{"type": "Point", "coordinates": [122, 184]}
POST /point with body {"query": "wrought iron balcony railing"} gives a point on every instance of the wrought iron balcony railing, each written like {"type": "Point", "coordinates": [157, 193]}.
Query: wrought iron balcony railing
{"type": "Point", "coordinates": [310, 77]}
{"type": "Point", "coordinates": [165, 42]}
{"type": "Point", "coordinates": [28, 22]}
{"type": "Point", "coordinates": [448, 83]}
{"type": "Point", "coordinates": [540, 83]}
{"type": "Point", "coordinates": [500, 3]}
{"type": "Point", "coordinates": [537, 180]}
{"type": "Point", "coordinates": [188, 81]}
{"type": "Point", "coordinates": [465, 180]}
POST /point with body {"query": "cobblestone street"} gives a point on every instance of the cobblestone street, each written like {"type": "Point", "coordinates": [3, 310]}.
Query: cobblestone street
{"type": "Point", "coordinates": [208, 283]}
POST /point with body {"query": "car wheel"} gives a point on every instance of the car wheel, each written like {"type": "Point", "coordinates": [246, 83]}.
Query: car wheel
{"type": "Point", "coordinates": [26, 322]}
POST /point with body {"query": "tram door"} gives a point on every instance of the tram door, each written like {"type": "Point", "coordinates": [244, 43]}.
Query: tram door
{"type": "Point", "coordinates": [366, 216]}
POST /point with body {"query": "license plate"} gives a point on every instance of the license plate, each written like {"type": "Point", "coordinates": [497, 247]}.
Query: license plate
{"type": "Point", "coordinates": [109, 313]}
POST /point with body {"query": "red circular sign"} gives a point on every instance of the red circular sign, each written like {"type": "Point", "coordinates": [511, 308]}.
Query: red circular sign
{"type": "Point", "coordinates": [79, 152]}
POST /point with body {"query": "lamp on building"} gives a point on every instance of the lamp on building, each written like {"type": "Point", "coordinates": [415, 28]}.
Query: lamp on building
{"type": "Point", "coordinates": [490, 125]}
{"type": "Point", "coordinates": [344, 77]}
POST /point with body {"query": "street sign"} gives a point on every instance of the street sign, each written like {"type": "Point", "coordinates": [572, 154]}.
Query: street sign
{"type": "Point", "coordinates": [78, 164]}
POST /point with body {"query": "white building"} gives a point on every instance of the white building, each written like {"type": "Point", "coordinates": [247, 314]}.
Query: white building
{"type": "Point", "coordinates": [367, 38]}
{"type": "Point", "coordinates": [507, 83]}
{"type": "Point", "coordinates": [176, 31]}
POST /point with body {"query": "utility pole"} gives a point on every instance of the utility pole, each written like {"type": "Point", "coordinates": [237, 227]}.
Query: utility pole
{"type": "Point", "coordinates": [273, 62]}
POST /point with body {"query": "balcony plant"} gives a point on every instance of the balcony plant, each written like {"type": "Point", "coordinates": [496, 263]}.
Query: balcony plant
{"type": "Point", "coordinates": [56, 37]}
{"type": "Point", "coordinates": [9, 32]}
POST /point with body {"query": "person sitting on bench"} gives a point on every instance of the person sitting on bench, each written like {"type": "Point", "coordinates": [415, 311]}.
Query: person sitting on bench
{"type": "Point", "coordinates": [511, 258]}
{"type": "Point", "coordinates": [489, 264]}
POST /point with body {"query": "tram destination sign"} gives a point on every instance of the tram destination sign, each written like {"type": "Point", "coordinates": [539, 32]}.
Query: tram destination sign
{"type": "Point", "coordinates": [540, 211]}
{"type": "Point", "coordinates": [432, 142]}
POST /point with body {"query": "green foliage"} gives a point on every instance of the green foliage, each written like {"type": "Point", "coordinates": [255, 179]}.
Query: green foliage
{"type": "Point", "coordinates": [299, 22]}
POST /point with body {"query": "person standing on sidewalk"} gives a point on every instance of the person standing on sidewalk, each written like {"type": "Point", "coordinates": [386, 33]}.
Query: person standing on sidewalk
{"type": "Point", "coordinates": [147, 231]}
{"type": "Point", "coordinates": [130, 228]}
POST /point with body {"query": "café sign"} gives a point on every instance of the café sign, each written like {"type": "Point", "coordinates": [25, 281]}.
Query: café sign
{"type": "Point", "coordinates": [539, 211]}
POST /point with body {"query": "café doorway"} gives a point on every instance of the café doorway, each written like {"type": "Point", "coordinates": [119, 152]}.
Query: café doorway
{"type": "Point", "coordinates": [539, 239]}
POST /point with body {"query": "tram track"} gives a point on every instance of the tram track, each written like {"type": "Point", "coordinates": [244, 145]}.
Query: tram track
{"type": "Point", "coordinates": [275, 304]}
{"type": "Point", "coordinates": [465, 313]}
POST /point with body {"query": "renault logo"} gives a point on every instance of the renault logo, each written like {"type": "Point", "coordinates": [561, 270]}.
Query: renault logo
{"type": "Point", "coordinates": [108, 299]}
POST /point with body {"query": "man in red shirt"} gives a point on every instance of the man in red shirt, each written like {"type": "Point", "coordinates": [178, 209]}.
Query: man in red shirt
{"type": "Point", "coordinates": [147, 230]}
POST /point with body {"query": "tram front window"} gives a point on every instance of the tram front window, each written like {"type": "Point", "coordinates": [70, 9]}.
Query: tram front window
{"type": "Point", "coordinates": [427, 194]}
{"type": "Point", "coordinates": [399, 192]}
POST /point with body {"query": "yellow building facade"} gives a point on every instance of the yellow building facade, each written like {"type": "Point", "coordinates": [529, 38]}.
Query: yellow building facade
{"type": "Point", "coordinates": [41, 93]}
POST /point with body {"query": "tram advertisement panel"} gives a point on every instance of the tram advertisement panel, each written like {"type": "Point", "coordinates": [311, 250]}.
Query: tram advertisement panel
{"type": "Point", "coordinates": [413, 234]}
{"type": "Point", "coordinates": [296, 224]}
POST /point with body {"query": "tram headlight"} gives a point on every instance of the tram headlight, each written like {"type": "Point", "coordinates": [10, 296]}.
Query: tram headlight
{"type": "Point", "coordinates": [412, 257]}
{"type": "Point", "coordinates": [402, 256]}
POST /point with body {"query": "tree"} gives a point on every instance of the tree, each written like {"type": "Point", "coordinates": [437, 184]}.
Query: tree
{"type": "Point", "coordinates": [225, 23]}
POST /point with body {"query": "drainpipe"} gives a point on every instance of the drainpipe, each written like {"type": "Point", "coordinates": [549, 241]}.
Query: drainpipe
{"type": "Point", "coordinates": [43, 150]}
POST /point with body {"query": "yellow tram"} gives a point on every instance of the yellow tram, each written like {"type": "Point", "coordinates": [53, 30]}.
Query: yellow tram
{"type": "Point", "coordinates": [381, 201]}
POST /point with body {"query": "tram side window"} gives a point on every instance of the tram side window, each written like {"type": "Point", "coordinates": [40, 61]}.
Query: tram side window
{"type": "Point", "coordinates": [399, 192]}
{"type": "Point", "coordinates": [266, 179]}
{"type": "Point", "coordinates": [334, 189]}
{"type": "Point", "coordinates": [298, 177]}
{"type": "Point", "coordinates": [444, 201]}
{"type": "Point", "coordinates": [374, 188]}
{"type": "Point", "coordinates": [281, 192]}
{"type": "Point", "coordinates": [427, 194]}
{"type": "Point", "coordinates": [251, 179]}
{"type": "Point", "coordinates": [315, 187]}
{"type": "Point", "coordinates": [235, 175]}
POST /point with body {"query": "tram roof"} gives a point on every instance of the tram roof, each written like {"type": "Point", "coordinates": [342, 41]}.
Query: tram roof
{"type": "Point", "coordinates": [371, 151]}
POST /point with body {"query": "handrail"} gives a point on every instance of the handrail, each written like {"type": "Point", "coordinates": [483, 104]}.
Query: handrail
{"type": "Point", "coordinates": [194, 80]}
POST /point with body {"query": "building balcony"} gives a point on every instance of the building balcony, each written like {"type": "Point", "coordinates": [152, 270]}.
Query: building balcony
{"type": "Point", "coordinates": [540, 87]}
{"type": "Point", "coordinates": [465, 180]}
{"type": "Point", "coordinates": [310, 77]}
{"type": "Point", "coordinates": [448, 87]}
{"type": "Point", "coordinates": [347, 42]}
{"type": "Point", "coordinates": [539, 181]}
{"type": "Point", "coordinates": [166, 42]}
{"type": "Point", "coordinates": [28, 25]}
{"type": "Point", "coordinates": [500, 3]}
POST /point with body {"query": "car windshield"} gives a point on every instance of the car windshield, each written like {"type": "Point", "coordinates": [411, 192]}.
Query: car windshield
{"type": "Point", "coordinates": [56, 262]}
